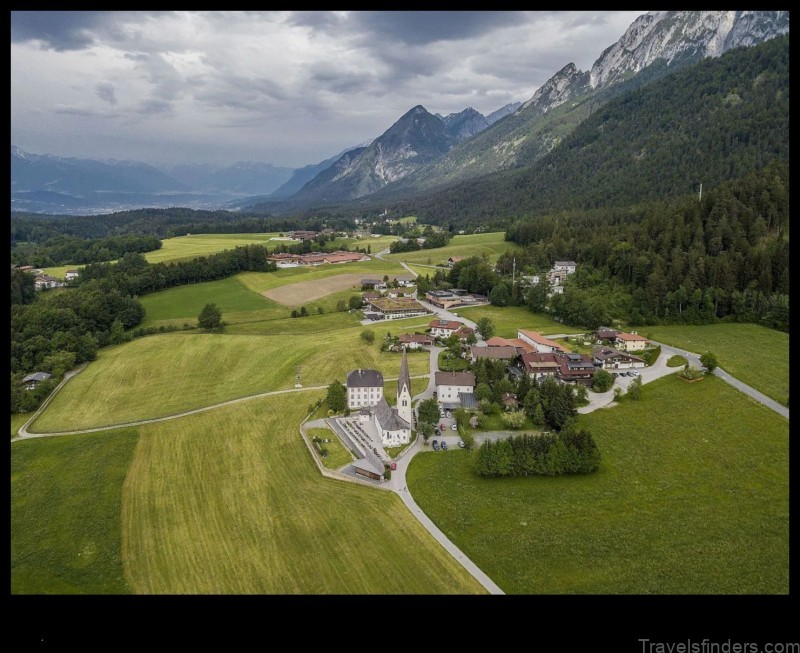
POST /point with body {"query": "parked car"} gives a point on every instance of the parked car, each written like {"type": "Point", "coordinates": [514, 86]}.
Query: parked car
{"type": "Point", "coordinates": [448, 414]}
{"type": "Point", "coordinates": [436, 430]}
{"type": "Point", "coordinates": [444, 445]}
{"type": "Point", "coordinates": [461, 444]}
{"type": "Point", "coordinates": [634, 373]}
{"type": "Point", "coordinates": [454, 426]}
{"type": "Point", "coordinates": [436, 445]}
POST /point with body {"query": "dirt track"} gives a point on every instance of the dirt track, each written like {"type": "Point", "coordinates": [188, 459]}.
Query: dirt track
{"type": "Point", "coordinates": [296, 294]}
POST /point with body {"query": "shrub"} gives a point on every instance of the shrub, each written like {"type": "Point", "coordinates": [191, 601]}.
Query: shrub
{"type": "Point", "coordinates": [650, 355]}
{"type": "Point", "coordinates": [602, 381]}
{"type": "Point", "coordinates": [676, 361]}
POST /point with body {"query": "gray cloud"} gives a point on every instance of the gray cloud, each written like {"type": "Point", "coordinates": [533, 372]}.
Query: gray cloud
{"type": "Point", "coordinates": [105, 91]}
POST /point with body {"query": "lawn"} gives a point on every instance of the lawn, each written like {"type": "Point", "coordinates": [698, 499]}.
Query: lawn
{"type": "Point", "coordinates": [507, 319]}
{"type": "Point", "coordinates": [230, 502]}
{"type": "Point", "coordinates": [192, 246]}
{"type": "Point", "coordinates": [491, 244]}
{"type": "Point", "coordinates": [338, 456]}
{"type": "Point", "coordinates": [754, 354]}
{"type": "Point", "coordinates": [167, 374]}
{"type": "Point", "coordinates": [692, 497]}
{"type": "Point", "coordinates": [66, 494]}
{"type": "Point", "coordinates": [18, 420]}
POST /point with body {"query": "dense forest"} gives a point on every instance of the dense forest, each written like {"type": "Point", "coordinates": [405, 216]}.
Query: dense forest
{"type": "Point", "coordinates": [73, 250]}
{"type": "Point", "coordinates": [719, 119]}
{"type": "Point", "coordinates": [680, 261]}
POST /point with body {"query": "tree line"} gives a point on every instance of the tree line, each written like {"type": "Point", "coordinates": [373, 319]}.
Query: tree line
{"type": "Point", "coordinates": [63, 249]}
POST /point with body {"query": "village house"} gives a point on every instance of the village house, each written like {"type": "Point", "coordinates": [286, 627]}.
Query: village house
{"type": "Point", "coordinates": [404, 281]}
{"type": "Point", "coordinates": [45, 281]}
{"type": "Point", "coordinates": [510, 401]}
{"type": "Point", "coordinates": [69, 275]}
{"type": "Point", "coordinates": [604, 333]}
{"type": "Point", "coordinates": [444, 328]}
{"type": "Point", "coordinates": [375, 284]}
{"type": "Point", "coordinates": [415, 340]}
{"type": "Point", "coordinates": [518, 343]}
{"type": "Point", "coordinates": [558, 274]}
{"type": "Point", "coordinates": [302, 235]}
{"type": "Point", "coordinates": [575, 368]}
{"type": "Point", "coordinates": [369, 296]}
{"type": "Point", "coordinates": [453, 260]}
{"type": "Point", "coordinates": [540, 365]}
{"type": "Point", "coordinates": [364, 388]}
{"type": "Point", "coordinates": [285, 260]}
{"type": "Point", "coordinates": [539, 342]}
{"type": "Point", "coordinates": [631, 341]}
{"type": "Point", "coordinates": [451, 386]}
{"type": "Point", "coordinates": [32, 380]}
{"type": "Point", "coordinates": [609, 359]}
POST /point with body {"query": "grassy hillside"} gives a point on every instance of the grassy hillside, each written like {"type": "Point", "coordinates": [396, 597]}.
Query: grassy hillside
{"type": "Point", "coordinates": [754, 354]}
{"type": "Point", "coordinates": [490, 244]}
{"type": "Point", "coordinates": [65, 513]}
{"type": "Point", "coordinates": [167, 374]}
{"type": "Point", "coordinates": [692, 497]}
{"type": "Point", "coordinates": [272, 524]}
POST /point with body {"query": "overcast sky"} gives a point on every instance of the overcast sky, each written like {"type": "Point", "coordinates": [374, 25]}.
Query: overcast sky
{"type": "Point", "coordinates": [288, 88]}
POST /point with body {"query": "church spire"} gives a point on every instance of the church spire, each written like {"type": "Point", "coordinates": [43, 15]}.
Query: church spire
{"type": "Point", "coordinates": [404, 378]}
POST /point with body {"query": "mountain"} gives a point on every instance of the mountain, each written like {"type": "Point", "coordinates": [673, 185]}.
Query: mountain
{"type": "Point", "coordinates": [415, 139]}
{"type": "Point", "coordinates": [302, 176]}
{"type": "Point", "coordinates": [656, 44]}
{"type": "Point", "coordinates": [719, 119]}
{"type": "Point", "coordinates": [502, 112]}
{"type": "Point", "coordinates": [465, 124]}
{"type": "Point", "coordinates": [243, 177]}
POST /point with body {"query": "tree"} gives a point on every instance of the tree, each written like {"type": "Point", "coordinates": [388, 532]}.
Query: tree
{"type": "Point", "coordinates": [602, 381]}
{"type": "Point", "coordinates": [210, 317]}
{"type": "Point", "coordinates": [514, 419]}
{"type": "Point", "coordinates": [483, 392]}
{"type": "Point", "coordinates": [635, 389]}
{"type": "Point", "coordinates": [368, 336]}
{"type": "Point", "coordinates": [426, 429]}
{"type": "Point", "coordinates": [341, 306]}
{"type": "Point", "coordinates": [428, 411]}
{"type": "Point", "coordinates": [337, 397]}
{"type": "Point", "coordinates": [303, 311]}
{"type": "Point", "coordinates": [355, 302]}
{"type": "Point", "coordinates": [709, 361]}
{"type": "Point", "coordinates": [471, 338]}
{"type": "Point", "coordinates": [485, 327]}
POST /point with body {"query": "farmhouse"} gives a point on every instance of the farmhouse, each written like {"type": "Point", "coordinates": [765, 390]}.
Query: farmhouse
{"type": "Point", "coordinates": [494, 353]}
{"type": "Point", "coordinates": [612, 359]}
{"type": "Point", "coordinates": [302, 235]}
{"type": "Point", "coordinates": [450, 386]}
{"type": "Point", "coordinates": [604, 333]}
{"type": "Point", "coordinates": [558, 274]}
{"type": "Point", "coordinates": [539, 342]}
{"type": "Point", "coordinates": [44, 281]}
{"type": "Point", "coordinates": [404, 281]}
{"type": "Point", "coordinates": [335, 258]}
{"type": "Point", "coordinates": [463, 332]}
{"type": "Point", "coordinates": [364, 388]}
{"type": "Point", "coordinates": [444, 328]}
{"type": "Point", "coordinates": [540, 365]}
{"type": "Point", "coordinates": [69, 275]}
{"type": "Point", "coordinates": [520, 345]}
{"type": "Point", "coordinates": [285, 260]}
{"type": "Point", "coordinates": [386, 308]}
{"type": "Point", "coordinates": [32, 380]}
{"type": "Point", "coordinates": [575, 368]}
{"type": "Point", "coordinates": [415, 340]}
{"type": "Point", "coordinates": [631, 341]}
{"type": "Point", "coordinates": [453, 260]}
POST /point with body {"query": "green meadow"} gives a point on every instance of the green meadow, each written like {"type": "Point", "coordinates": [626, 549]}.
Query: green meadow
{"type": "Point", "coordinates": [752, 353]}
{"type": "Point", "coordinates": [18, 420]}
{"type": "Point", "coordinates": [507, 319]}
{"type": "Point", "coordinates": [692, 497]}
{"type": "Point", "coordinates": [491, 244]}
{"type": "Point", "coordinates": [66, 495]}
{"type": "Point", "coordinates": [234, 493]}
{"type": "Point", "coordinates": [167, 374]}
{"type": "Point", "coordinates": [338, 455]}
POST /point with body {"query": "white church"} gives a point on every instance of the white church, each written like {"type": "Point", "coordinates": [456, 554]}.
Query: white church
{"type": "Point", "coordinates": [393, 425]}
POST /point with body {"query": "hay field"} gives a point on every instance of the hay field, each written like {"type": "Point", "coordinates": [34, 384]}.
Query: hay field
{"type": "Point", "coordinates": [297, 294]}
{"type": "Point", "coordinates": [230, 502]}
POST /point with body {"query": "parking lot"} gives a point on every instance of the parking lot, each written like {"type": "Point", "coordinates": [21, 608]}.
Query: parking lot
{"type": "Point", "coordinates": [446, 432]}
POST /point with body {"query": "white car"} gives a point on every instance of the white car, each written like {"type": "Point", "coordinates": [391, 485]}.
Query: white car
{"type": "Point", "coordinates": [634, 373]}
{"type": "Point", "coordinates": [454, 427]}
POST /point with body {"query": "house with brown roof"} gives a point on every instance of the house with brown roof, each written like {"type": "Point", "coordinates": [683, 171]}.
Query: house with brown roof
{"type": "Point", "coordinates": [415, 340]}
{"type": "Point", "coordinates": [631, 341]}
{"type": "Point", "coordinates": [451, 385]}
{"type": "Point", "coordinates": [453, 260]}
{"type": "Point", "coordinates": [510, 401]}
{"type": "Point", "coordinates": [520, 345]}
{"type": "Point", "coordinates": [444, 328]}
{"type": "Point", "coordinates": [611, 359]}
{"type": "Point", "coordinates": [575, 368]}
{"type": "Point", "coordinates": [604, 333]}
{"type": "Point", "coordinates": [539, 342]}
{"type": "Point", "coordinates": [463, 332]}
{"type": "Point", "coordinates": [540, 365]}
{"type": "Point", "coordinates": [493, 353]}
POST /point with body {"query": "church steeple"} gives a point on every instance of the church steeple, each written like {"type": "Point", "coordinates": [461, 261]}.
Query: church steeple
{"type": "Point", "coordinates": [404, 391]}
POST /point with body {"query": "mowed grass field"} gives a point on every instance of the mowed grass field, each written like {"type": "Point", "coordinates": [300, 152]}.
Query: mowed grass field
{"type": "Point", "coordinates": [171, 373]}
{"type": "Point", "coordinates": [230, 502]}
{"type": "Point", "coordinates": [692, 497]}
{"type": "Point", "coordinates": [18, 420]}
{"type": "Point", "coordinates": [66, 495]}
{"type": "Point", "coordinates": [507, 319]}
{"type": "Point", "coordinates": [491, 244]}
{"type": "Point", "coordinates": [752, 353]}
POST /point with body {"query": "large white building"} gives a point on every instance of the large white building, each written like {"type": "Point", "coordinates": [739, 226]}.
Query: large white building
{"type": "Point", "coordinates": [364, 388]}
{"type": "Point", "coordinates": [451, 385]}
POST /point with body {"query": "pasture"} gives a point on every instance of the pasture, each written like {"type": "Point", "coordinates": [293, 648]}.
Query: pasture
{"type": "Point", "coordinates": [692, 497]}
{"type": "Point", "coordinates": [752, 353]}
{"type": "Point", "coordinates": [65, 513]}
{"type": "Point", "coordinates": [490, 244]}
{"type": "Point", "coordinates": [303, 292]}
{"type": "Point", "coordinates": [167, 374]}
{"type": "Point", "coordinates": [230, 502]}
{"type": "Point", "coordinates": [18, 420]}
{"type": "Point", "coordinates": [507, 319]}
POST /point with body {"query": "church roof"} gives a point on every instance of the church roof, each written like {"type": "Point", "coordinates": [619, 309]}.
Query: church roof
{"type": "Point", "coordinates": [388, 417]}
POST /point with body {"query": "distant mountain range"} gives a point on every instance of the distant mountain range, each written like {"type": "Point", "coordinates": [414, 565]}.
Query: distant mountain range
{"type": "Point", "coordinates": [421, 152]}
